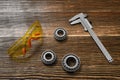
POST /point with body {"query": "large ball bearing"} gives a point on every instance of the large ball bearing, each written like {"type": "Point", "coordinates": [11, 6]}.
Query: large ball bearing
{"type": "Point", "coordinates": [70, 63]}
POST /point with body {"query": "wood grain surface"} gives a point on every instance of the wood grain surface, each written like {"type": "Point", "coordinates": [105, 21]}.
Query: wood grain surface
{"type": "Point", "coordinates": [17, 15]}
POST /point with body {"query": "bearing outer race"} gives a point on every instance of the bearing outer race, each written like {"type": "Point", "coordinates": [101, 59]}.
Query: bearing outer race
{"type": "Point", "coordinates": [44, 56]}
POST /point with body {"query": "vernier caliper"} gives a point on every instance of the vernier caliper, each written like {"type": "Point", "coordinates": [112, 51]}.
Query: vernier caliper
{"type": "Point", "coordinates": [81, 18]}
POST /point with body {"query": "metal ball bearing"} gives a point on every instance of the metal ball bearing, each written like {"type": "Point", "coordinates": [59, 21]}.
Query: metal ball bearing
{"type": "Point", "coordinates": [48, 57]}
{"type": "Point", "coordinates": [70, 63]}
{"type": "Point", "coordinates": [60, 34]}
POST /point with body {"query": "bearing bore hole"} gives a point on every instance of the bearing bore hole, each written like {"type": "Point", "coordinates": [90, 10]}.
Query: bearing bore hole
{"type": "Point", "coordinates": [71, 61]}
{"type": "Point", "coordinates": [60, 32]}
{"type": "Point", "coordinates": [48, 56]}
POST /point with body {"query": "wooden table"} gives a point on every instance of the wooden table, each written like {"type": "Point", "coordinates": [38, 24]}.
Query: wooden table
{"type": "Point", "coordinates": [17, 15]}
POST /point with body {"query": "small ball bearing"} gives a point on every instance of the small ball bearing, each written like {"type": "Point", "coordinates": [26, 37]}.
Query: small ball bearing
{"type": "Point", "coordinates": [60, 34]}
{"type": "Point", "coordinates": [48, 57]}
{"type": "Point", "coordinates": [70, 63]}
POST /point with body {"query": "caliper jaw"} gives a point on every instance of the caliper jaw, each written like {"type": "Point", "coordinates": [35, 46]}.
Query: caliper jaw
{"type": "Point", "coordinates": [77, 19]}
